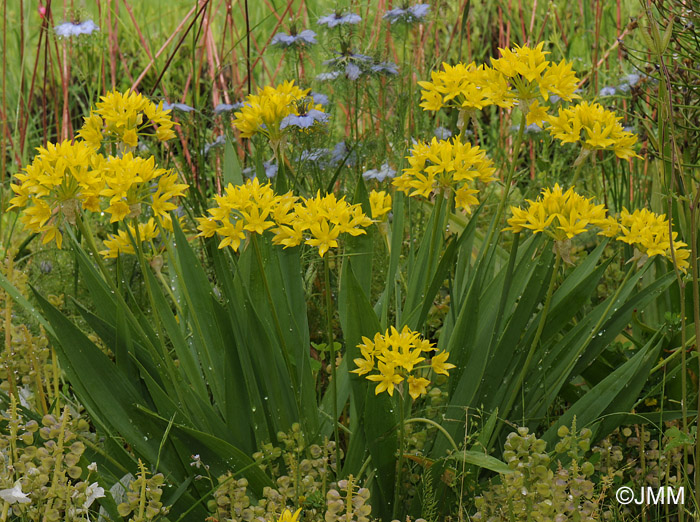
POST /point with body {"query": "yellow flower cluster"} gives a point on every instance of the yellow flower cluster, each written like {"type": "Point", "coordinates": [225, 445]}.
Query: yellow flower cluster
{"type": "Point", "coordinates": [446, 166]}
{"type": "Point", "coordinates": [263, 112]}
{"type": "Point", "coordinates": [380, 204]}
{"type": "Point", "coordinates": [123, 117]}
{"type": "Point", "coordinates": [595, 127]}
{"type": "Point", "coordinates": [62, 179]}
{"type": "Point", "coordinates": [530, 73]}
{"type": "Point", "coordinates": [561, 215]}
{"type": "Point", "coordinates": [397, 356]}
{"type": "Point", "coordinates": [121, 242]}
{"type": "Point", "coordinates": [245, 208]}
{"type": "Point", "coordinates": [466, 87]}
{"type": "Point", "coordinates": [255, 208]}
{"type": "Point", "coordinates": [520, 74]}
{"type": "Point", "coordinates": [648, 232]}
{"type": "Point", "coordinates": [66, 178]}
{"type": "Point", "coordinates": [318, 222]}
{"type": "Point", "coordinates": [131, 181]}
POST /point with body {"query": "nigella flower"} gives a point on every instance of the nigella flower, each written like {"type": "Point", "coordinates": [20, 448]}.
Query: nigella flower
{"type": "Point", "coordinates": [68, 29]}
{"type": "Point", "coordinates": [227, 107]}
{"type": "Point", "coordinates": [442, 133]}
{"type": "Point", "coordinates": [315, 155]}
{"type": "Point", "coordinates": [304, 120]}
{"type": "Point", "coordinates": [607, 91]}
{"type": "Point", "coordinates": [218, 142]}
{"type": "Point", "coordinates": [384, 172]}
{"type": "Point", "coordinates": [319, 98]}
{"type": "Point", "coordinates": [334, 19]}
{"type": "Point", "coordinates": [352, 65]}
{"type": "Point", "coordinates": [269, 166]}
{"type": "Point", "coordinates": [177, 106]}
{"type": "Point", "coordinates": [388, 68]}
{"type": "Point", "coordinates": [340, 154]}
{"type": "Point", "coordinates": [324, 77]}
{"type": "Point", "coordinates": [304, 38]}
{"type": "Point", "coordinates": [407, 15]}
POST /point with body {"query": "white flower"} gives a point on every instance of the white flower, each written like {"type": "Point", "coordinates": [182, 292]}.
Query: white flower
{"type": "Point", "coordinates": [15, 495]}
{"type": "Point", "coordinates": [92, 466]}
{"type": "Point", "coordinates": [93, 492]}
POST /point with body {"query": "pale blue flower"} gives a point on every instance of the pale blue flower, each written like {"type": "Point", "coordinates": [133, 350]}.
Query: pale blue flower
{"type": "Point", "coordinates": [388, 68]}
{"type": "Point", "coordinates": [218, 142]}
{"type": "Point", "coordinates": [270, 170]}
{"type": "Point", "coordinates": [177, 106]}
{"type": "Point", "coordinates": [319, 98]}
{"type": "Point", "coordinates": [335, 19]}
{"type": "Point", "coordinates": [384, 172]}
{"type": "Point", "coordinates": [442, 133]}
{"type": "Point", "coordinates": [607, 91]}
{"type": "Point", "coordinates": [226, 107]}
{"type": "Point", "coordinates": [304, 121]}
{"type": "Point", "coordinates": [306, 37]}
{"type": "Point", "coordinates": [69, 29]}
{"type": "Point", "coordinates": [324, 77]}
{"type": "Point", "coordinates": [409, 15]}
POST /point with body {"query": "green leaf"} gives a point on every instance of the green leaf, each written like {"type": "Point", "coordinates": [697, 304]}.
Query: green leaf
{"type": "Point", "coordinates": [232, 167]}
{"type": "Point", "coordinates": [482, 460]}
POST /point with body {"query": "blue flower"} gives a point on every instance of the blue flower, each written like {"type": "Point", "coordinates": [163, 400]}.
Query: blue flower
{"type": "Point", "coordinates": [304, 121]}
{"type": "Point", "coordinates": [218, 142]}
{"type": "Point", "coordinates": [226, 107]}
{"type": "Point", "coordinates": [335, 19]}
{"type": "Point", "coordinates": [177, 106]}
{"type": "Point", "coordinates": [352, 65]}
{"type": "Point", "coordinates": [632, 79]}
{"type": "Point", "coordinates": [324, 77]}
{"type": "Point", "coordinates": [269, 166]}
{"type": "Point", "coordinates": [388, 68]}
{"type": "Point", "coordinates": [385, 171]}
{"type": "Point", "coordinates": [554, 98]}
{"type": "Point", "coordinates": [315, 155]}
{"type": "Point", "coordinates": [68, 29]}
{"type": "Point", "coordinates": [339, 154]}
{"type": "Point", "coordinates": [442, 133]}
{"type": "Point", "coordinates": [352, 72]}
{"type": "Point", "coordinates": [306, 37]}
{"type": "Point", "coordinates": [607, 91]}
{"type": "Point", "coordinates": [319, 98]}
{"type": "Point", "coordinates": [409, 15]}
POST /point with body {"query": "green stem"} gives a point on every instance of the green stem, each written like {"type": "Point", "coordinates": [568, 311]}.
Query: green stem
{"type": "Point", "coordinates": [331, 348]}
{"type": "Point", "coordinates": [509, 178]}
{"type": "Point", "coordinates": [438, 426]}
{"type": "Point", "coordinates": [397, 484]}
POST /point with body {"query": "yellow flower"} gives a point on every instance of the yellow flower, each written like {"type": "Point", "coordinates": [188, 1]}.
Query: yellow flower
{"type": "Point", "coordinates": [121, 243]}
{"type": "Point", "coordinates": [417, 386]}
{"type": "Point", "coordinates": [133, 181]}
{"type": "Point", "coordinates": [287, 516]}
{"type": "Point", "coordinates": [264, 111]}
{"type": "Point", "coordinates": [648, 232]}
{"type": "Point", "coordinates": [123, 117]}
{"type": "Point", "coordinates": [595, 127]}
{"type": "Point", "coordinates": [398, 355]}
{"type": "Point", "coordinates": [380, 203]}
{"type": "Point", "coordinates": [446, 166]}
{"type": "Point", "coordinates": [62, 179]}
{"type": "Point", "coordinates": [439, 365]}
{"type": "Point", "coordinates": [561, 215]}
{"type": "Point", "coordinates": [387, 379]}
